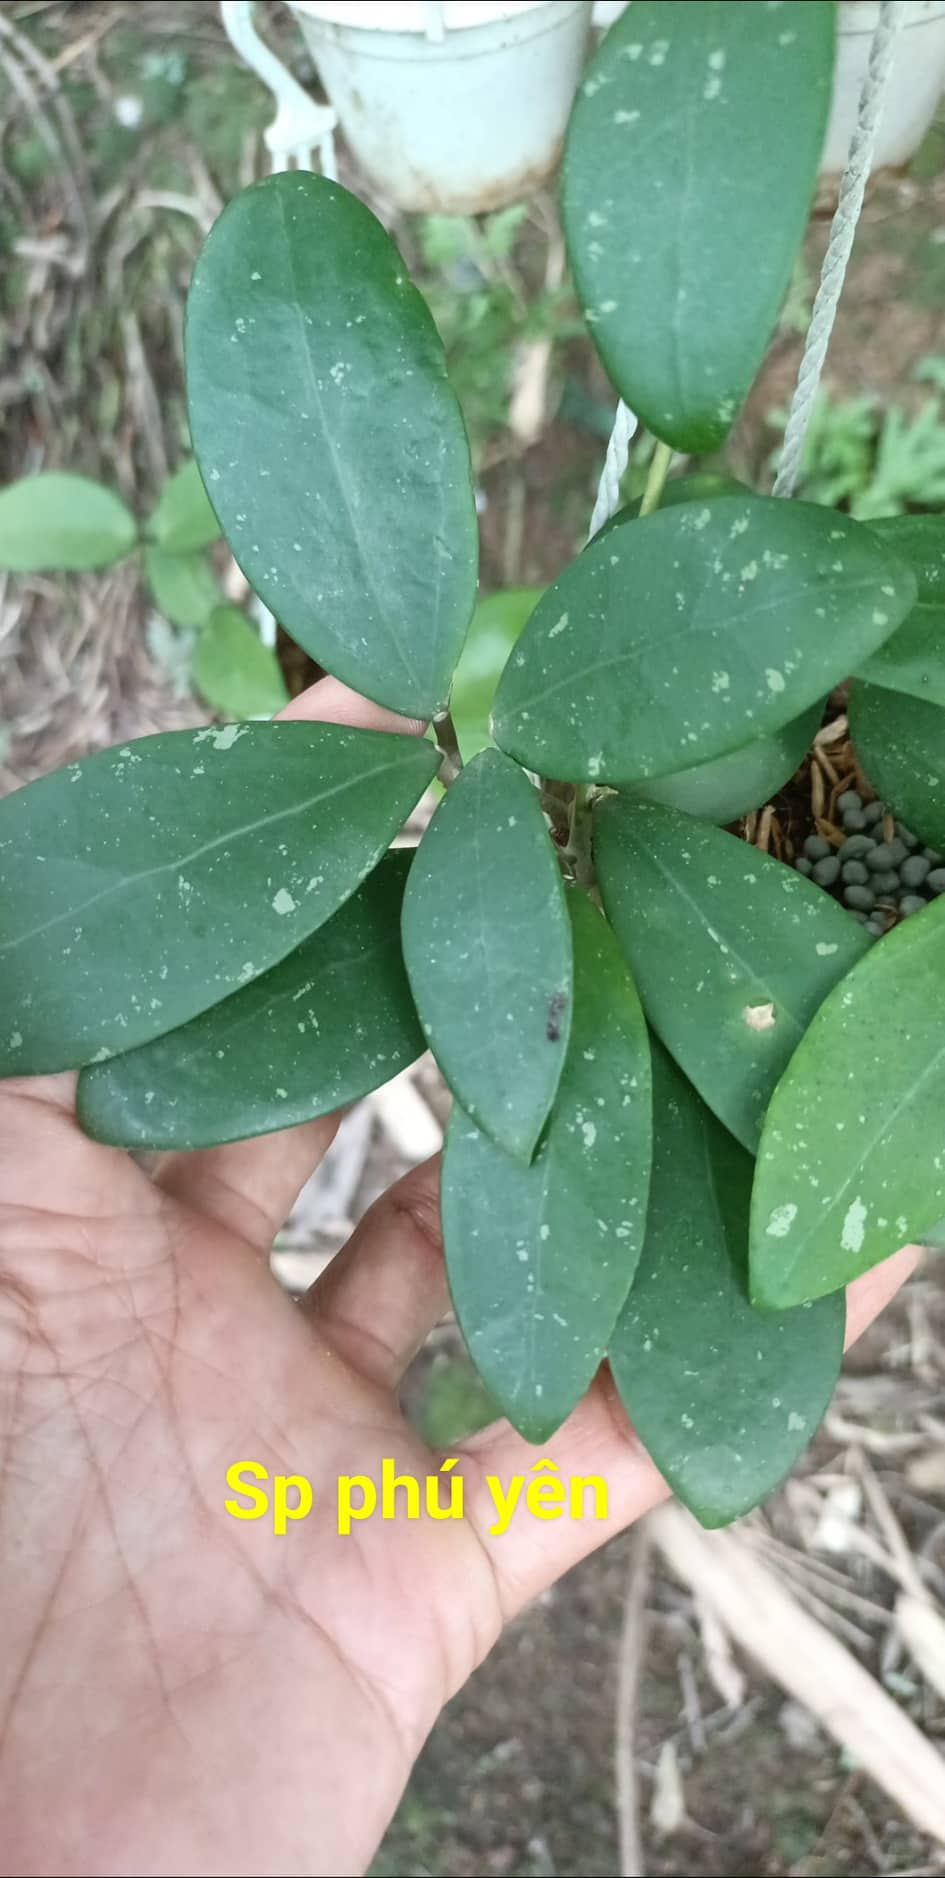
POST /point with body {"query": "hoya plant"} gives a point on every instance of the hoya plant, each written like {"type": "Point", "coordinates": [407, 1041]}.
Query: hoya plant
{"type": "Point", "coordinates": [694, 1095]}
{"type": "Point", "coordinates": [57, 522]}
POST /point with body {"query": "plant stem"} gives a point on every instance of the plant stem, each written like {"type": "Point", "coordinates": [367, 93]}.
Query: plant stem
{"type": "Point", "coordinates": [579, 843]}
{"type": "Point", "coordinates": [444, 731]}
{"type": "Point", "coordinates": [662, 458]}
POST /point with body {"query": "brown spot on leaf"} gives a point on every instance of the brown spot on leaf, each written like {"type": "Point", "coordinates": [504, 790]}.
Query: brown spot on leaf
{"type": "Point", "coordinates": [556, 1009]}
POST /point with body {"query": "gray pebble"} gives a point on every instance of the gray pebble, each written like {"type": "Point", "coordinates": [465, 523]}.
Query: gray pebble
{"type": "Point", "coordinates": [913, 871]}
{"type": "Point", "coordinates": [897, 849]}
{"type": "Point", "coordinates": [932, 856]}
{"type": "Point", "coordinates": [855, 874]}
{"type": "Point", "coordinates": [827, 870]}
{"type": "Point", "coordinates": [850, 799]}
{"type": "Point", "coordinates": [854, 821]}
{"type": "Point", "coordinates": [855, 847]}
{"type": "Point", "coordinates": [886, 883]}
{"type": "Point", "coordinates": [875, 928]}
{"type": "Point", "coordinates": [860, 897]}
{"type": "Point", "coordinates": [816, 848]}
{"type": "Point", "coordinates": [936, 880]}
{"type": "Point", "coordinates": [873, 812]}
{"type": "Point", "coordinates": [804, 866]}
{"type": "Point", "coordinates": [862, 917]}
{"type": "Point", "coordinates": [911, 903]}
{"type": "Point", "coordinates": [905, 834]}
{"type": "Point", "coordinates": [880, 858]}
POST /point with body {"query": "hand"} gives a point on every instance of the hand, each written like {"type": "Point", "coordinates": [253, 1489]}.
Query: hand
{"type": "Point", "coordinates": [182, 1692]}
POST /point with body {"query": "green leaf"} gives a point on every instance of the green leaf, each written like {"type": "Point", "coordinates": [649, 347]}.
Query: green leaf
{"type": "Point", "coordinates": [851, 1164]}
{"type": "Point", "coordinates": [55, 523]}
{"type": "Point", "coordinates": [330, 1023]}
{"type": "Point", "coordinates": [693, 120]}
{"type": "Point", "coordinates": [146, 883]}
{"type": "Point", "coordinates": [184, 586]}
{"type": "Point", "coordinates": [540, 1258]}
{"type": "Point", "coordinates": [901, 745]}
{"type": "Point", "coordinates": [731, 786]}
{"type": "Point", "coordinates": [233, 670]}
{"type": "Point", "coordinates": [494, 629]}
{"type": "Point", "coordinates": [330, 440]}
{"type": "Point", "coordinates": [732, 952]}
{"type": "Point", "coordinates": [913, 660]}
{"type": "Point", "coordinates": [723, 1398]}
{"type": "Point", "coordinates": [755, 607]}
{"type": "Point", "coordinates": [488, 949]}
{"type": "Point", "coordinates": [694, 488]}
{"type": "Point", "coordinates": [184, 519]}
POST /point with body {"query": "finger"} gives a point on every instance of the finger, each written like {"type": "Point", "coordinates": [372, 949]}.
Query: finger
{"type": "Point", "coordinates": [599, 1440]}
{"type": "Point", "coordinates": [251, 1186]}
{"type": "Point", "coordinates": [383, 1294]}
{"type": "Point", "coordinates": [331, 702]}
{"type": "Point", "coordinates": [47, 1165]}
{"type": "Point", "coordinates": [869, 1295]}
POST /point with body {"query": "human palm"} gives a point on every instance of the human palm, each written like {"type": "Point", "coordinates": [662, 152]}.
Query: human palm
{"type": "Point", "coordinates": [180, 1691]}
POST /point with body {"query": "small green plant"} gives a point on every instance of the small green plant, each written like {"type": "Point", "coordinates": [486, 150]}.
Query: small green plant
{"type": "Point", "coordinates": [60, 523]}
{"type": "Point", "coordinates": [693, 1096]}
{"type": "Point", "coordinates": [873, 461]}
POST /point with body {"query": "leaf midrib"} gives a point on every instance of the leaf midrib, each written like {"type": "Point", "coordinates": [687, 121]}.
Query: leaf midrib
{"type": "Point", "coordinates": [186, 860]}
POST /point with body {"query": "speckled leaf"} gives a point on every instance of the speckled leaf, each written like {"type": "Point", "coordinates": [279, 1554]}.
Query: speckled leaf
{"type": "Point", "coordinates": [146, 883]}
{"type": "Point", "coordinates": [851, 1163]}
{"type": "Point", "coordinates": [329, 439]}
{"type": "Point", "coordinates": [540, 1258]}
{"type": "Point", "coordinates": [732, 951]}
{"type": "Point", "coordinates": [233, 670]}
{"type": "Point", "coordinates": [55, 523]}
{"type": "Point", "coordinates": [487, 943]}
{"type": "Point", "coordinates": [901, 745]}
{"type": "Point", "coordinates": [692, 120]}
{"type": "Point", "coordinates": [745, 779]}
{"type": "Point", "coordinates": [331, 1022]}
{"type": "Point", "coordinates": [679, 638]}
{"type": "Point", "coordinates": [723, 1397]}
{"type": "Point", "coordinates": [913, 660]}
{"type": "Point", "coordinates": [694, 488]}
{"type": "Point", "coordinates": [184, 520]}
{"type": "Point", "coordinates": [184, 586]}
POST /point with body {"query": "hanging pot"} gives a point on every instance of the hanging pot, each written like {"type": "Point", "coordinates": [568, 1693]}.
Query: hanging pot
{"type": "Point", "coordinates": [915, 84]}
{"type": "Point", "coordinates": [456, 107]}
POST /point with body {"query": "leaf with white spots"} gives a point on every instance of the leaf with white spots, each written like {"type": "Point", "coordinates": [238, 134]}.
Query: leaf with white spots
{"type": "Point", "coordinates": [694, 119]}
{"type": "Point", "coordinates": [146, 883]}
{"type": "Point", "coordinates": [901, 745]}
{"type": "Point", "coordinates": [913, 660]}
{"type": "Point", "coordinates": [732, 951]}
{"type": "Point", "coordinates": [540, 1258]}
{"type": "Point", "coordinates": [329, 439]}
{"type": "Point", "coordinates": [723, 1397]}
{"type": "Point", "coordinates": [487, 943]}
{"type": "Point", "coordinates": [852, 1157]}
{"type": "Point", "coordinates": [330, 1023]}
{"type": "Point", "coordinates": [680, 638]}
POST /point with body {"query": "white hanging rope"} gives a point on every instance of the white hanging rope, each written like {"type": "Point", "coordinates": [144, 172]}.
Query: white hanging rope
{"type": "Point", "coordinates": [839, 247]}
{"type": "Point", "coordinates": [615, 463]}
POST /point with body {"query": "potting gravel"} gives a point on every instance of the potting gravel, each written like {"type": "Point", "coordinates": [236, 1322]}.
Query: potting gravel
{"type": "Point", "coordinates": [881, 878]}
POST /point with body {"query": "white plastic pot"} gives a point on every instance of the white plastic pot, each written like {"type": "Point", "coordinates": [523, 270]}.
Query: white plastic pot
{"type": "Point", "coordinates": [915, 85]}
{"type": "Point", "coordinates": [458, 107]}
